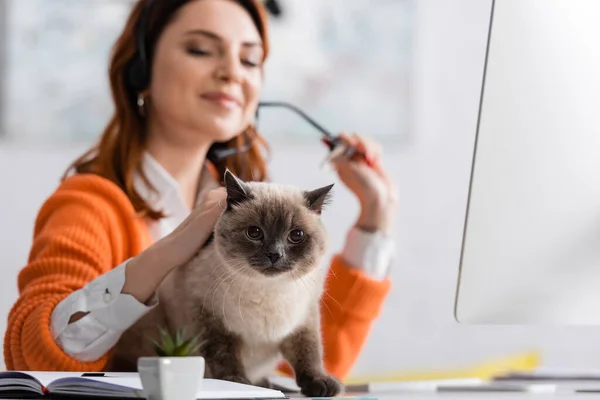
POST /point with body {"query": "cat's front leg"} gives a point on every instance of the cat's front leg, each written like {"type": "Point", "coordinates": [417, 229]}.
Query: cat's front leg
{"type": "Point", "coordinates": [221, 350]}
{"type": "Point", "coordinates": [303, 350]}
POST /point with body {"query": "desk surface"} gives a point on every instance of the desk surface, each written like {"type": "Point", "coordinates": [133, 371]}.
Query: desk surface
{"type": "Point", "coordinates": [468, 396]}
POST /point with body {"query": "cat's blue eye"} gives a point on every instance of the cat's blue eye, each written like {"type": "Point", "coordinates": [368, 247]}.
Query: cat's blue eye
{"type": "Point", "coordinates": [296, 236]}
{"type": "Point", "coordinates": [254, 233]}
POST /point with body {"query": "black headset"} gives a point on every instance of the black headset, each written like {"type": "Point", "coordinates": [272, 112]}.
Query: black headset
{"type": "Point", "coordinates": [138, 78]}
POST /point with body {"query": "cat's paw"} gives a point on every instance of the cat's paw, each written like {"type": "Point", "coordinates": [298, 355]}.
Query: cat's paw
{"type": "Point", "coordinates": [320, 386]}
{"type": "Point", "coordinates": [237, 379]}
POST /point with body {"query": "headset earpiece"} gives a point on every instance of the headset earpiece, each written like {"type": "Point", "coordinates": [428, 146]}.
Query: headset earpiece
{"type": "Point", "coordinates": [137, 76]}
{"type": "Point", "coordinates": [138, 72]}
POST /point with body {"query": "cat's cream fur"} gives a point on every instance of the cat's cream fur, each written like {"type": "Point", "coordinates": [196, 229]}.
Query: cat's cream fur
{"type": "Point", "coordinates": [247, 316]}
{"type": "Point", "coordinates": [262, 312]}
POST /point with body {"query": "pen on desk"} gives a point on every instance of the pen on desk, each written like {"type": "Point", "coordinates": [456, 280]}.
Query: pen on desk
{"type": "Point", "coordinates": [502, 389]}
{"type": "Point", "coordinates": [455, 386]}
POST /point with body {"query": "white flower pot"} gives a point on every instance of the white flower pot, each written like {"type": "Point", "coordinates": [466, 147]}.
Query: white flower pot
{"type": "Point", "coordinates": [171, 378]}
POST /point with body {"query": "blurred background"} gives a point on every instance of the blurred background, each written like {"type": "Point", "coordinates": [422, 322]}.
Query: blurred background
{"type": "Point", "coordinates": [406, 72]}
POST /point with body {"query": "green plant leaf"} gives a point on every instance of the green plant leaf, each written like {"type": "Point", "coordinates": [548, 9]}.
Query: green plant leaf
{"type": "Point", "coordinates": [195, 348]}
{"type": "Point", "coordinates": [188, 347]}
{"type": "Point", "coordinates": [179, 337]}
{"type": "Point", "coordinates": [175, 345]}
{"type": "Point", "coordinates": [168, 345]}
{"type": "Point", "coordinates": [157, 349]}
{"type": "Point", "coordinates": [195, 345]}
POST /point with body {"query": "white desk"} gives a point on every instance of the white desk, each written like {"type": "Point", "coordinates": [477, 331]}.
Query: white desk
{"type": "Point", "coordinates": [469, 396]}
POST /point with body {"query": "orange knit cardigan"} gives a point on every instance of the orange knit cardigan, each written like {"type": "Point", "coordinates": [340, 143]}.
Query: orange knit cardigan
{"type": "Point", "coordinates": [88, 226]}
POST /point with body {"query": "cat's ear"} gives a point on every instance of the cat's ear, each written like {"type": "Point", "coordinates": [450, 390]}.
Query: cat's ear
{"type": "Point", "coordinates": [318, 198]}
{"type": "Point", "coordinates": [237, 190]}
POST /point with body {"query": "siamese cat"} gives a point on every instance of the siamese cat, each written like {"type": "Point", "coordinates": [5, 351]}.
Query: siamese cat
{"type": "Point", "coordinates": [252, 293]}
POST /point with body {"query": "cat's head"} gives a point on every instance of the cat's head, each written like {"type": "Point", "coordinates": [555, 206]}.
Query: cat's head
{"type": "Point", "coordinates": [270, 230]}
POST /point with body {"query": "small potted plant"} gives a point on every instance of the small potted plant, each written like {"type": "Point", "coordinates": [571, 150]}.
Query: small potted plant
{"type": "Point", "coordinates": [174, 374]}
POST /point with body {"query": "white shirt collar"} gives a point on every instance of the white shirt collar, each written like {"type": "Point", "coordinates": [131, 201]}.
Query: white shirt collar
{"type": "Point", "coordinates": [164, 184]}
{"type": "Point", "coordinates": [166, 195]}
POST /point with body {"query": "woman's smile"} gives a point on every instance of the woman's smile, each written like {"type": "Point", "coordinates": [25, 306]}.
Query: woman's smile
{"type": "Point", "coordinates": [221, 99]}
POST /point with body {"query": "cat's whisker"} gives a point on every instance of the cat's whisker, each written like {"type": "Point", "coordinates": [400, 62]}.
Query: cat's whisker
{"type": "Point", "coordinates": [229, 273]}
{"type": "Point", "coordinates": [312, 279]}
{"type": "Point", "coordinates": [217, 288]}
{"type": "Point", "coordinates": [214, 284]}
{"type": "Point", "coordinates": [236, 274]}
{"type": "Point", "coordinates": [336, 302]}
{"type": "Point", "coordinates": [301, 279]}
{"type": "Point", "coordinates": [240, 300]}
{"type": "Point", "coordinates": [226, 270]}
{"type": "Point", "coordinates": [324, 303]}
{"type": "Point", "coordinates": [219, 281]}
{"type": "Point", "coordinates": [295, 276]}
{"type": "Point", "coordinates": [326, 306]}
{"type": "Point", "coordinates": [332, 272]}
{"type": "Point", "coordinates": [327, 294]}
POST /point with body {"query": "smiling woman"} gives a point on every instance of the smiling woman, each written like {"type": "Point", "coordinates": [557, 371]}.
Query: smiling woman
{"type": "Point", "coordinates": [185, 76]}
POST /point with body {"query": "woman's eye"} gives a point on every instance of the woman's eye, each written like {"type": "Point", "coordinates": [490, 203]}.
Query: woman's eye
{"type": "Point", "coordinates": [250, 63]}
{"type": "Point", "coordinates": [254, 233]}
{"type": "Point", "coordinates": [197, 52]}
{"type": "Point", "coordinates": [296, 236]}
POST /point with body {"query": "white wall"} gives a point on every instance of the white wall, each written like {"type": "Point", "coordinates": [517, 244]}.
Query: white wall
{"type": "Point", "coordinates": [417, 329]}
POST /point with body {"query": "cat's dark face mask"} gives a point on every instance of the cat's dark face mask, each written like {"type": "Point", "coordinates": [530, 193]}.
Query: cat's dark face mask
{"type": "Point", "coordinates": [271, 232]}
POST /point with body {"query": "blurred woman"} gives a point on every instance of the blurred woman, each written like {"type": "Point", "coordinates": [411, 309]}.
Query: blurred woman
{"type": "Point", "coordinates": [142, 201]}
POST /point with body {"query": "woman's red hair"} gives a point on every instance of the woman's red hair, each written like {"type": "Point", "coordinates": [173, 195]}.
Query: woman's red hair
{"type": "Point", "coordinates": [118, 154]}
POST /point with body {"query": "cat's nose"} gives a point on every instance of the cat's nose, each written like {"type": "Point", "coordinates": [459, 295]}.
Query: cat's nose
{"type": "Point", "coordinates": [274, 256]}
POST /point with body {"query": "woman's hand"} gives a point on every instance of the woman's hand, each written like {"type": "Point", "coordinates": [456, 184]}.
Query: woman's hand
{"type": "Point", "coordinates": [375, 191]}
{"type": "Point", "coordinates": [185, 240]}
{"type": "Point", "coordinates": [145, 272]}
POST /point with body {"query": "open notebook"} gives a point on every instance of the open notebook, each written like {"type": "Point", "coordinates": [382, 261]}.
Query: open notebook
{"type": "Point", "coordinates": [118, 385]}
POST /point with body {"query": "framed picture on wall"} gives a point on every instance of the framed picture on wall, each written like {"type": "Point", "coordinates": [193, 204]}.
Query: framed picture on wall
{"type": "Point", "coordinates": [345, 62]}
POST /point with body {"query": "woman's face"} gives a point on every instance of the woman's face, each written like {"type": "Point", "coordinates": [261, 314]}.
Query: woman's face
{"type": "Point", "coordinates": [206, 73]}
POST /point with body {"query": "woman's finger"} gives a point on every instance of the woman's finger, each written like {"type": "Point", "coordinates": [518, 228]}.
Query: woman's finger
{"type": "Point", "coordinates": [370, 147]}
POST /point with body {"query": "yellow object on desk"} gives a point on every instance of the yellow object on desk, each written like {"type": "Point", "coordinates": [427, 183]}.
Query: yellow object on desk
{"type": "Point", "coordinates": [516, 363]}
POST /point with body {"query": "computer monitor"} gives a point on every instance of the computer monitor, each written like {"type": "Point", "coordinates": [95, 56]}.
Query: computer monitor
{"type": "Point", "coordinates": [531, 244]}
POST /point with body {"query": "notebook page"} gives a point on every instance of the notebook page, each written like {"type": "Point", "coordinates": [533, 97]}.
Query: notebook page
{"type": "Point", "coordinates": [126, 383]}
{"type": "Point", "coordinates": [46, 378]}
{"type": "Point", "coordinates": [19, 381]}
